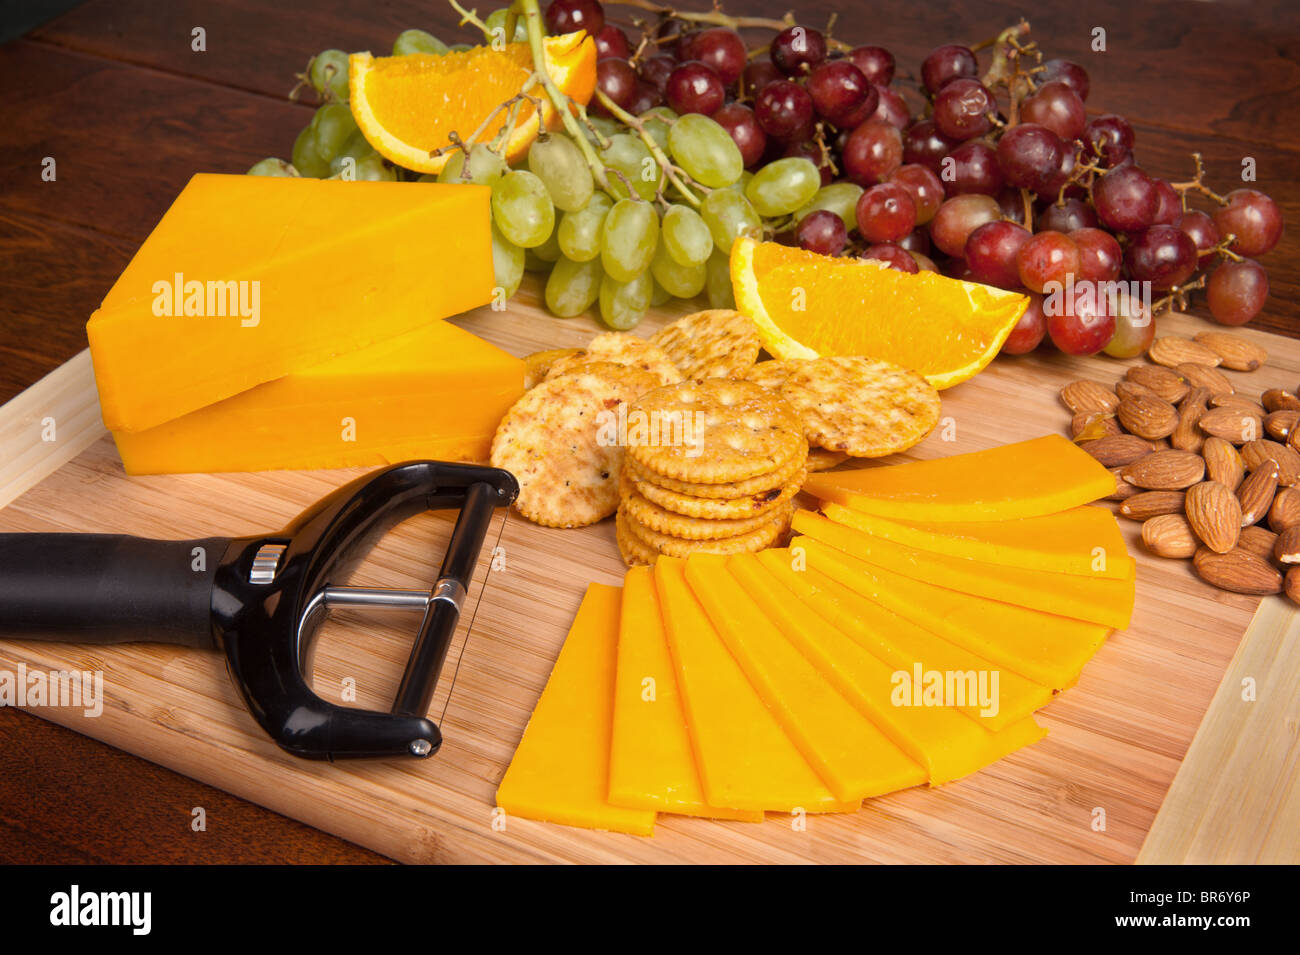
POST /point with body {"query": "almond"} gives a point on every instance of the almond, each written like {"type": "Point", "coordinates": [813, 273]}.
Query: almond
{"type": "Point", "coordinates": [1165, 471]}
{"type": "Point", "coordinates": [1086, 395]}
{"type": "Point", "coordinates": [1131, 389]}
{"type": "Point", "coordinates": [1186, 436]}
{"type": "Point", "coordinates": [1278, 425]}
{"type": "Point", "coordinates": [1230, 424]}
{"type": "Point", "coordinates": [1256, 494]}
{"type": "Point", "coordinates": [1238, 403]}
{"type": "Point", "coordinates": [1148, 417]}
{"type": "Point", "coordinates": [1174, 350]}
{"type": "Point", "coordinates": [1236, 353]}
{"type": "Point", "coordinates": [1149, 504]}
{"type": "Point", "coordinates": [1223, 462]}
{"type": "Point", "coordinates": [1258, 453]}
{"type": "Point", "coordinates": [1214, 514]}
{"type": "Point", "coordinates": [1238, 570]}
{"type": "Point", "coordinates": [1285, 511]}
{"type": "Point", "coordinates": [1291, 584]}
{"type": "Point", "coordinates": [1275, 399]}
{"type": "Point", "coordinates": [1091, 425]}
{"type": "Point", "coordinates": [1165, 383]}
{"type": "Point", "coordinates": [1169, 535]}
{"type": "Point", "coordinates": [1257, 541]}
{"type": "Point", "coordinates": [1123, 490]}
{"type": "Point", "coordinates": [1117, 450]}
{"type": "Point", "coordinates": [1211, 379]}
{"type": "Point", "coordinates": [1286, 549]}
{"type": "Point", "coordinates": [1293, 439]}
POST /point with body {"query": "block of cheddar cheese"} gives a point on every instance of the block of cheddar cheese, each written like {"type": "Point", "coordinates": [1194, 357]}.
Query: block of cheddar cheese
{"type": "Point", "coordinates": [250, 278]}
{"type": "Point", "coordinates": [437, 392]}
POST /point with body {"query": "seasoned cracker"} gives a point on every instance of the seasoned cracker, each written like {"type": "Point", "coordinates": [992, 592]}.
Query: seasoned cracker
{"type": "Point", "coordinates": [631, 548]}
{"type": "Point", "coordinates": [773, 373]}
{"type": "Point", "coordinates": [819, 459]}
{"type": "Point", "coordinates": [761, 537]}
{"type": "Point", "coordinates": [735, 429]}
{"type": "Point", "coordinates": [551, 440]}
{"type": "Point", "coordinates": [721, 509]}
{"type": "Point", "coordinates": [715, 343]}
{"type": "Point", "coordinates": [863, 407]}
{"type": "Point", "coordinates": [760, 484]}
{"type": "Point", "coordinates": [651, 515]}
{"type": "Point", "coordinates": [538, 364]}
{"type": "Point", "coordinates": [621, 348]}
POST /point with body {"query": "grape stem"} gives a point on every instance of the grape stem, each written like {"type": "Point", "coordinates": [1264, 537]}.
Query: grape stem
{"type": "Point", "coordinates": [670, 171]}
{"type": "Point", "coordinates": [1197, 184]}
{"type": "Point", "coordinates": [511, 104]}
{"type": "Point", "coordinates": [471, 17]}
{"type": "Point", "coordinates": [1177, 296]}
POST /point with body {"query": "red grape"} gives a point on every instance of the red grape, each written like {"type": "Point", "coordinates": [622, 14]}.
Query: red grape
{"type": "Point", "coordinates": [1048, 258]}
{"type": "Point", "coordinates": [872, 152]}
{"type": "Point", "coordinates": [1067, 216]}
{"type": "Point", "coordinates": [1055, 186]}
{"type": "Point", "coordinates": [895, 256]}
{"type": "Point", "coordinates": [1030, 156]}
{"type": "Point", "coordinates": [785, 111]}
{"type": "Point", "coordinates": [957, 218]}
{"type": "Point", "coordinates": [646, 97]}
{"type": "Point", "coordinates": [962, 108]}
{"type": "Point", "coordinates": [721, 49]}
{"type": "Point", "coordinates": [841, 94]}
{"type": "Point", "coordinates": [813, 153]}
{"type": "Point", "coordinates": [875, 62]}
{"type": "Point", "coordinates": [1163, 255]}
{"type": "Point", "coordinates": [669, 36]}
{"type": "Point", "coordinates": [1111, 138]}
{"type": "Point", "coordinates": [757, 75]}
{"type": "Point", "coordinates": [924, 144]}
{"type": "Point", "coordinates": [694, 88]}
{"type": "Point", "coordinates": [947, 63]}
{"type": "Point", "coordinates": [1253, 218]}
{"type": "Point", "coordinates": [971, 167]}
{"type": "Point", "coordinates": [566, 16]}
{"type": "Point", "coordinates": [797, 49]}
{"type": "Point", "coordinates": [1126, 199]}
{"type": "Point", "coordinates": [1169, 205]}
{"type": "Point", "coordinates": [823, 232]}
{"type": "Point", "coordinates": [611, 42]}
{"type": "Point", "coordinates": [1135, 328]}
{"type": "Point", "coordinates": [924, 187]}
{"type": "Point", "coordinates": [656, 71]}
{"type": "Point", "coordinates": [1058, 107]}
{"type": "Point", "coordinates": [617, 80]}
{"type": "Point", "coordinates": [991, 251]}
{"type": "Point", "coordinates": [1029, 331]}
{"type": "Point", "coordinates": [1100, 256]}
{"type": "Point", "coordinates": [1071, 74]}
{"type": "Point", "coordinates": [892, 108]}
{"type": "Point", "coordinates": [738, 120]}
{"type": "Point", "coordinates": [918, 240]}
{"type": "Point", "coordinates": [885, 213]}
{"type": "Point", "coordinates": [1080, 323]}
{"type": "Point", "coordinates": [1200, 228]}
{"type": "Point", "coordinates": [1237, 291]}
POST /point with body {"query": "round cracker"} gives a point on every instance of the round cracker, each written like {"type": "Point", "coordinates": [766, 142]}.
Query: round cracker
{"type": "Point", "coordinates": [731, 490]}
{"type": "Point", "coordinates": [758, 539]}
{"type": "Point", "coordinates": [551, 441]}
{"type": "Point", "coordinates": [648, 514]}
{"type": "Point", "coordinates": [773, 373]}
{"type": "Point", "coordinates": [634, 551]}
{"type": "Point", "coordinates": [819, 459]}
{"type": "Point", "coordinates": [737, 430]}
{"type": "Point", "coordinates": [539, 363]}
{"type": "Point", "coordinates": [721, 509]}
{"type": "Point", "coordinates": [621, 348]}
{"type": "Point", "coordinates": [863, 407]}
{"type": "Point", "coordinates": [715, 343]}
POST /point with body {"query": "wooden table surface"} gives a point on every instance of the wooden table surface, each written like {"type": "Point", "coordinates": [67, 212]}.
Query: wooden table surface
{"type": "Point", "coordinates": [114, 93]}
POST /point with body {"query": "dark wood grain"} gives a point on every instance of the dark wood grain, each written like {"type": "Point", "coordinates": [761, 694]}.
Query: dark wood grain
{"type": "Point", "coordinates": [115, 93]}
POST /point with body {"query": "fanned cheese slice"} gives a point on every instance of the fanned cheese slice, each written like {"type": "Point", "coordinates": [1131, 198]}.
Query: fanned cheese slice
{"type": "Point", "coordinates": [651, 764]}
{"type": "Point", "coordinates": [1103, 600]}
{"type": "Point", "coordinates": [560, 770]}
{"type": "Point", "coordinates": [1027, 479]}
{"type": "Point", "coordinates": [1043, 647]}
{"type": "Point", "coordinates": [939, 737]}
{"type": "Point", "coordinates": [849, 752]}
{"type": "Point", "coordinates": [744, 757]}
{"type": "Point", "coordinates": [1083, 540]}
{"type": "Point", "coordinates": [898, 641]}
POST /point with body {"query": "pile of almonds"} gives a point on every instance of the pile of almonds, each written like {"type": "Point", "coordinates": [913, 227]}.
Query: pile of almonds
{"type": "Point", "coordinates": [1212, 474]}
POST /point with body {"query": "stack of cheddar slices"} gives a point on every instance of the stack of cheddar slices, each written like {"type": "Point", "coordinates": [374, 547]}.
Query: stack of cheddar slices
{"type": "Point", "coordinates": [905, 636]}
{"type": "Point", "coordinates": [295, 323]}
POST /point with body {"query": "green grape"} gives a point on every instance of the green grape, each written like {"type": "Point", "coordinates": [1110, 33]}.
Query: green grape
{"type": "Point", "coordinates": [729, 215]}
{"type": "Point", "coordinates": [555, 160]}
{"type": "Point", "coordinates": [369, 168]}
{"type": "Point", "coordinates": [605, 125]}
{"type": "Point", "coordinates": [685, 236]}
{"type": "Point", "coordinates": [273, 167]}
{"type": "Point", "coordinates": [306, 159]}
{"type": "Point", "coordinates": [682, 281]}
{"type": "Point", "coordinates": [485, 166]}
{"type": "Point", "coordinates": [580, 231]}
{"type": "Point", "coordinates": [573, 287]}
{"type": "Point", "coordinates": [328, 74]}
{"type": "Point", "coordinates": [840, 198]}
{"type": "Point", "coordinates": [659, 295]}
{"type": "Point", "coordinates": [630, 157]}
{"type": "Point", "coordinates": [356, 146]}
{"type": "Point", "coordinates": [629, 238]}
{"type": "Point", "coordinates": [622, 304]}
{"type": "Point", "coordinates": [705, 150]}
{"type": "Point", "coordinates": [496, 26]}
{"type": "Point", "coordinates": [334, 128]}
{"type": "Point", "coordinates": [657, 121]}
{"type": "Point", "coordinates": [549, 251]}
{"type": "Point", "coordinates": [718, 284]}
{"type": "Point", "coordinates": [507, 262]}
{"type": "Point", "coordinates": [522, 209]}
{"type": "Point", "coordinates": [781, 187]}
{"type": "Point", "coordinates": [461, 48]}
{"type": "Point", "coordinates": [418, 41]}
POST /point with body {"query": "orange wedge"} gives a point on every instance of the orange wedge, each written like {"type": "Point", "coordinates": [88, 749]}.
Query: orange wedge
{"type": "Point", "coordinates": [407, 106]}
{"type": "Point", "coordinates": [808, 305]}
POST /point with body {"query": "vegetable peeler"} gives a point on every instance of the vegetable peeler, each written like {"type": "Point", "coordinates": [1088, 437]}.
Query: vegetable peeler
{"type": "Point", "coordinates": [261, 599]}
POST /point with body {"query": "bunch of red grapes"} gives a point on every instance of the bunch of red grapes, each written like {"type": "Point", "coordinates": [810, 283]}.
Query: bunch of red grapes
{"type": "Point", "coordinates": [952, 189]}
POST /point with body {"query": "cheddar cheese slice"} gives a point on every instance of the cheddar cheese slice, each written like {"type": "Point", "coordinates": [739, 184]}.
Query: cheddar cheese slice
{"type": "Point", "coordinates": [1083, 540]}
{"type": "Point", "coordinates": [249, 278]}
{"type": "Point", "coordinates": [936, 735]}
{"type": "Point", "coordinates": [1102, 600]}
{"type": "Point", "coordinates": [560, 770]}
{"type": "Point", "coordinates": [744, 757]}
{"type": "Point", "coordinates": [437, 392]}
{"type": "Point", "coordinates": [898, 641]}
{"type": "Point", "coordinates": [855, 758]}
{"type": "Point", "coordinates": [1043, 647]}
{"type": "Point", "coordinates": [651, 763]}
{"type": "Point", "coordinates": [1027, 479]}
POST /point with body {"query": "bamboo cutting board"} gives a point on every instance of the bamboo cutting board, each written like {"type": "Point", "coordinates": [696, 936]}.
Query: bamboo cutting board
{"type": "Point", "coordinates": [1089, 792]}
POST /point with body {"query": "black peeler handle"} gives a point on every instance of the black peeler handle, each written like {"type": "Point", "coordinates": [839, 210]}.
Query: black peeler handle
{"type": "Point", "coordinates": [107, 588]}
